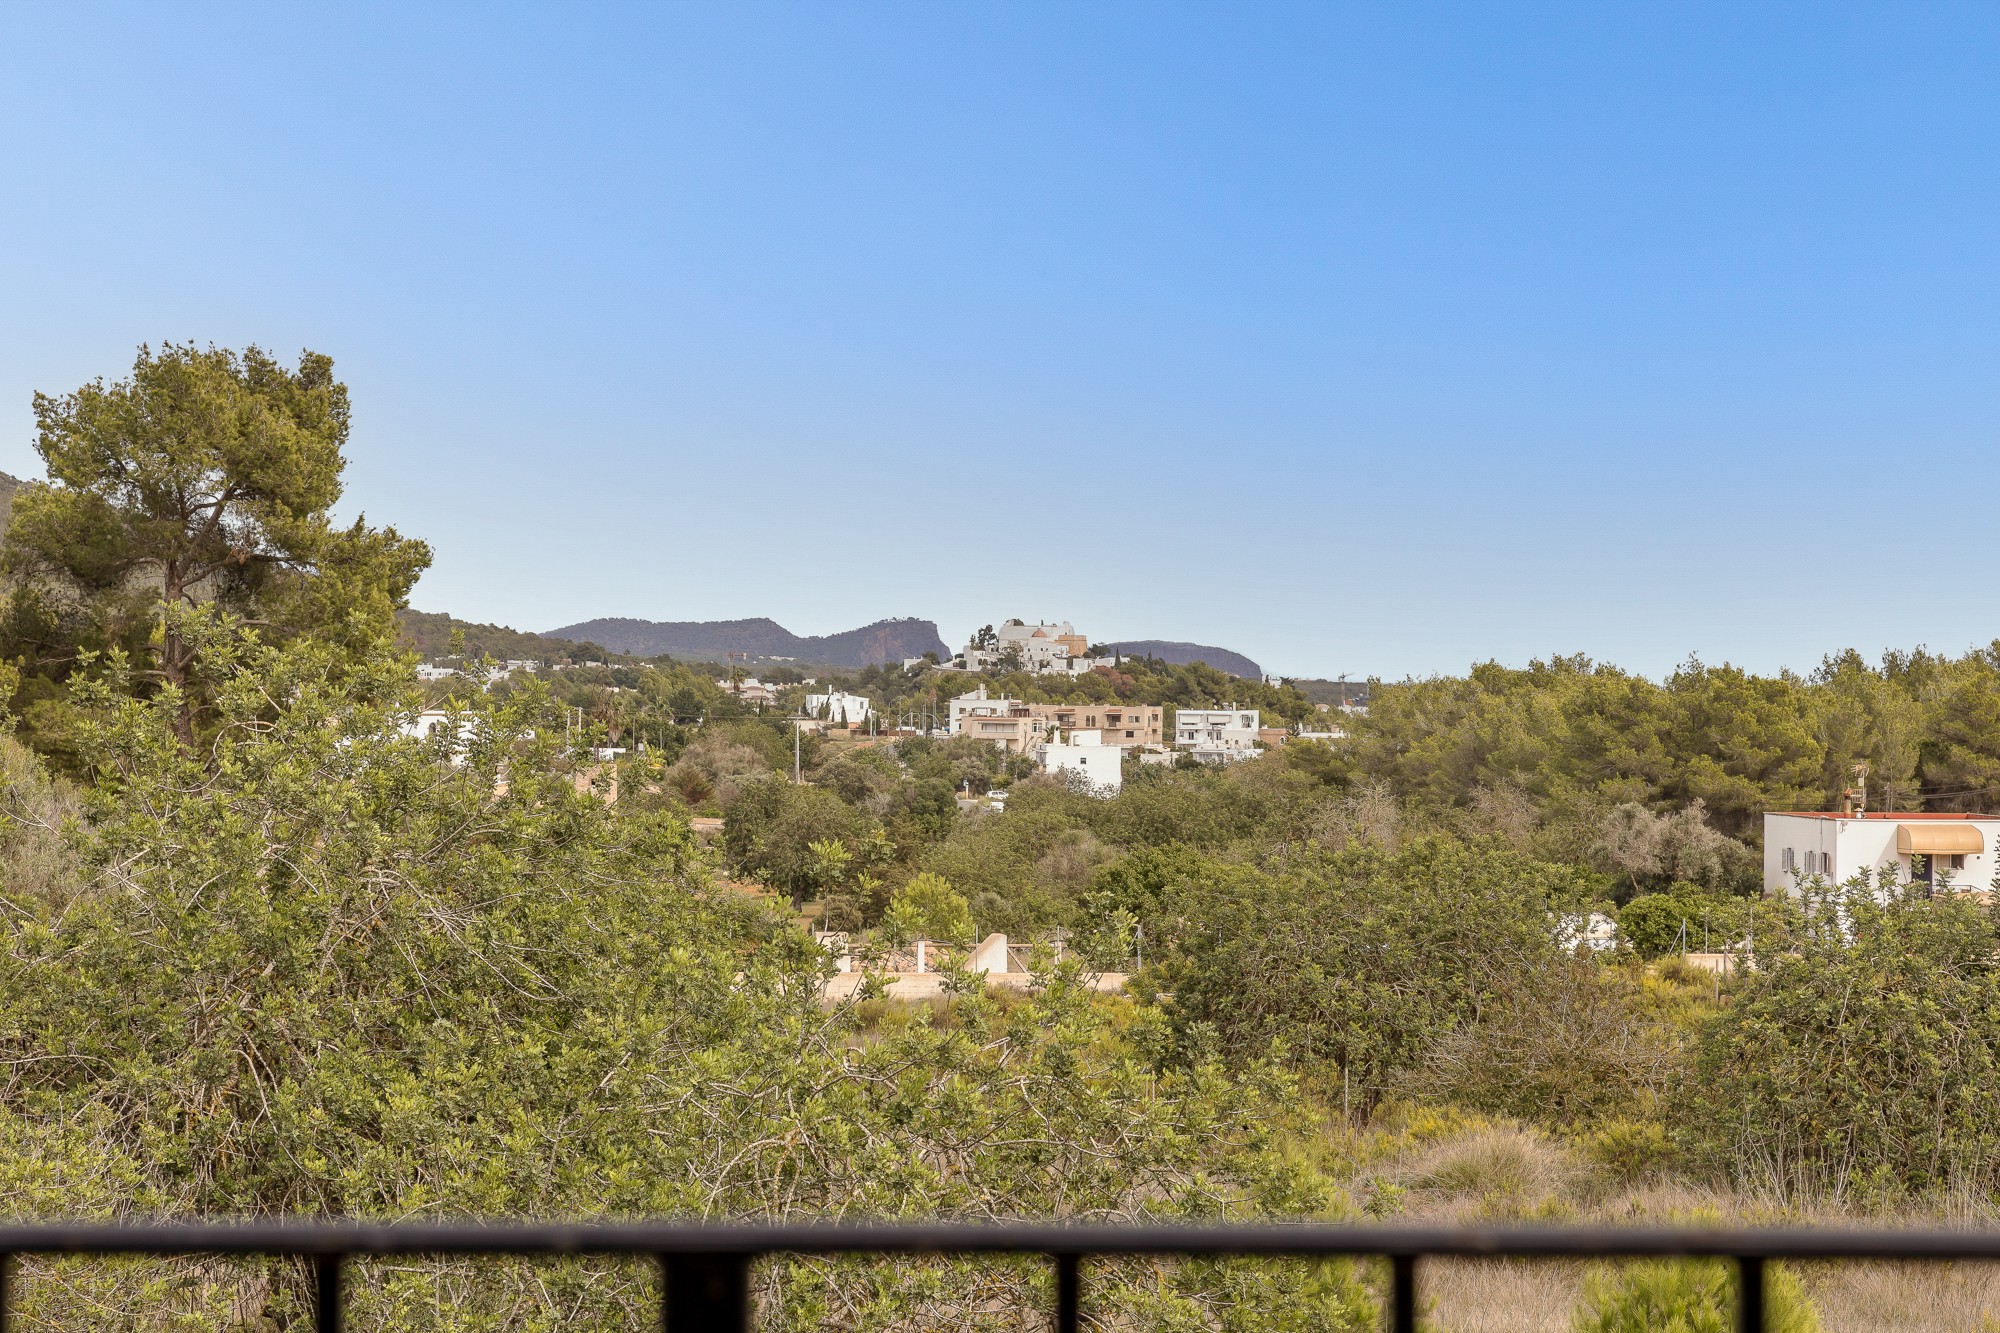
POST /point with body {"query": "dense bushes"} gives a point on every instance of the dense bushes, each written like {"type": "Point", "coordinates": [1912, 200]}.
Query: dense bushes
{"type": "Point", "coordinates": [772, 826]}
{"type": "Point", "coordinates": [1398, 947]}
{"type": "Point", "coordinates": [1863, 1054]}
{"type": "Point", "coordinates": [1363, 959]}
{"type": "Point", "coordinates": [319, 967]}
{"type": "Point", "coordinates": [1681, 919]}
{"type": "Point", "coordinates": [262, 952]}
{"type": "Point", "coordinates": [1570, 1044]}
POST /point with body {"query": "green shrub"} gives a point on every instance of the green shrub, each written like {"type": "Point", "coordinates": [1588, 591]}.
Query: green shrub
{"type": "Point", "coordinates": [1563, 1045]}
{"type": "Point", "coordinates": [1363, 959]}
{"type": "Point", "coordinates": [1686, 1296]}
{"type": "Point", "coordinates": [1685, 916]}
{"type": "Point", "coordinates": [1630, 1150]}
{"type": "Point", "coordinates": [927, 907]}
{"type": "Point", "coordinates": [771, 829]}
{"type": "Point", "coordinates": [316, 967]}
{"type": "Point", "coordinates": [1865, 1055]}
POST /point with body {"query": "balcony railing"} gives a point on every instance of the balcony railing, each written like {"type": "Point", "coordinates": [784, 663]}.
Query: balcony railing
{"type": "Point", "coordinates": [706, 1268]}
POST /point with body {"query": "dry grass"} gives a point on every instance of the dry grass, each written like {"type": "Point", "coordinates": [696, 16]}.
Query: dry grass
{"type": "Point", "coordinates": [1876, 1298]}
{"type": "Point", "coordinates": [1484, 1172]}
{"type": "Point", "coordinates": [1468, 1296]}
{"type": "Point", "coordinates": [1482, 1296]}
{"type": "Point", "coordinates": [1494, 1172]}
{"type": "Point", "coordinates": [37, 859]}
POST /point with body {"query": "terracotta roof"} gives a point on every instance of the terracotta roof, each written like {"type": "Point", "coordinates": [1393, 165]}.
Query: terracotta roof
{"type": "Point", "coordinates": [1899, 815]}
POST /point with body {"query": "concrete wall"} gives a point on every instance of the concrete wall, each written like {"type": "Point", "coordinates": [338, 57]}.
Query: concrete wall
{"type": "Point", "coordinates": [1102, 766]}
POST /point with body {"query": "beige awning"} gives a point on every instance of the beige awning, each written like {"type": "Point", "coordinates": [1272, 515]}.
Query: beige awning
{"type": "Point", "coordinates": [1948, 837]}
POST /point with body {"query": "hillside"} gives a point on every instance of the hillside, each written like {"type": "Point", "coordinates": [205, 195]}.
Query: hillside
{"type": "Point", "coordinates": [8, 485]}
{"type": "Point", "coordinates": [429, 632]}
{"type": "Point", "coordinates": [761, 638]}
{"type": "Point", "coordinates": [1333, 692]}
{"type": "Point", "coordinates": [1180, 654]}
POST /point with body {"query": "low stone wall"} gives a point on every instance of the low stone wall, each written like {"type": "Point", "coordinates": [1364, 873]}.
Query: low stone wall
{"type": "Point", "coordinates": [1724, 963]}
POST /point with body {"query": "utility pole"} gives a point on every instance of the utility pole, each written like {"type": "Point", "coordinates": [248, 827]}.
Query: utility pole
{"type": "Point", "coordinates": [796, 729]}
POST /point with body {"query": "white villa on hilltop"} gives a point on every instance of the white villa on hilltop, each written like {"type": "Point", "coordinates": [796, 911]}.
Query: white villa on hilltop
{"type": "Point", "coordinates": [1045, 649]}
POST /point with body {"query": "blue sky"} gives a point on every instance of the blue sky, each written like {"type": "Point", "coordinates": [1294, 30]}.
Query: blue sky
{"type": "Point", "coordinates": [1365, 339]}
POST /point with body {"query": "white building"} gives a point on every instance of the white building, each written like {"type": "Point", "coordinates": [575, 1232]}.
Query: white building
{"type": "Point", "coordinates": [1101, 766]}
{"type": "Point", "coordinates": [1594, 929]}
{"type": "Point", "coordinates": [1216, 735]}
{"type": "Point", "coordinates": [1924, 848]}
{"type": "Point", "coordinates": [477, 669]}
{"type": "Point", "coordinates": [1044, 649]}
{"type": "Point", "coordinates": [423, 724]}
{"type": "Point", "coordinates": [840, 708]}
{"type": "Point", "coordinates": [431, 722]}
{"type": "Point", "coordinates": [977, 703]}
{"type": "Point", "coordinates": [751, 690]}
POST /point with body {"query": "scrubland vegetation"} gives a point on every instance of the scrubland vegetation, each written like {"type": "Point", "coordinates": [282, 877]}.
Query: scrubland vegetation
{"type": "Point", "coordinates": [265, 951]}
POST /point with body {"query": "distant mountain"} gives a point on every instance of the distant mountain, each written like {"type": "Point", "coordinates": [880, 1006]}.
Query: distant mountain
{"type": "Point", "coordinates": [1180, 654]}
{"type": "Point", "coordinates": [714, 640]}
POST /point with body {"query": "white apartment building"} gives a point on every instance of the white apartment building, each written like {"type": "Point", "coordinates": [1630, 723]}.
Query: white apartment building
{"type": "Point", "coordinates": [1017, 726]}
{"type": "Point", "coordinates": [1084, 753]}
{"type": "Point", "coordinates": [978, 703]}
{"type": "Point", "coordinates": [1923, 848]}
{"type": "Point", "coordinates": [1216, 735]}
{"type": "Point", "coordinates": [840, 708]}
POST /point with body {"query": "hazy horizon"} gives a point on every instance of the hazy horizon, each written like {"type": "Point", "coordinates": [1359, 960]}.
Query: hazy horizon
{"type": "Point", "coordinates": [956, 639]}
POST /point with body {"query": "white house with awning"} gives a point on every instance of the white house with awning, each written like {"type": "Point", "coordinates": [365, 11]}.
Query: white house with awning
{"type": "Point", "coordinates": [1924, 848]}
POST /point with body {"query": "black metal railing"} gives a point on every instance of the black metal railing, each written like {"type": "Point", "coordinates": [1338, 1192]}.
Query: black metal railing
{"type": "Point", "coordinates": [706, 1268]}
